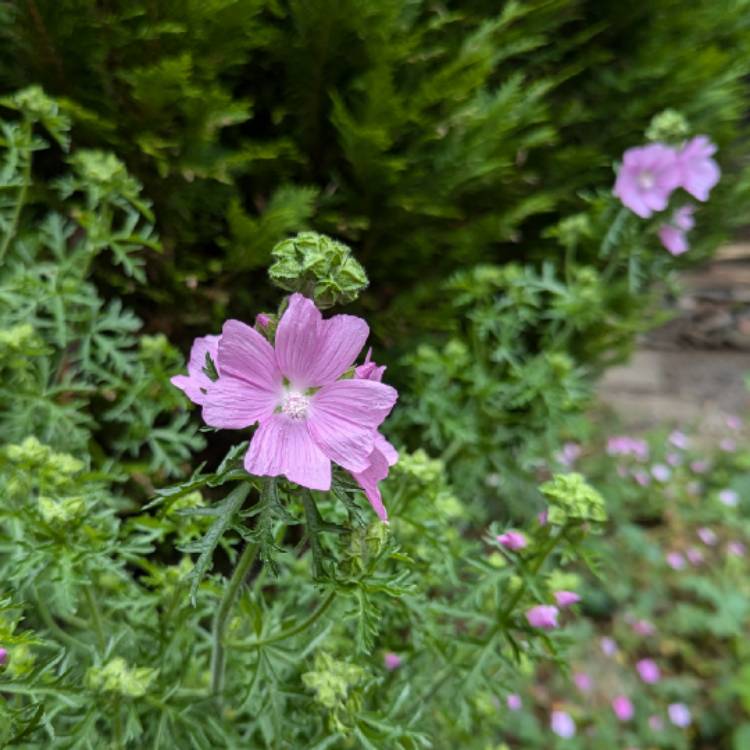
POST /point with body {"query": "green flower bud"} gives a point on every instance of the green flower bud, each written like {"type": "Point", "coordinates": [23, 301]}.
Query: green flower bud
{"type": "Point", "coordinates": [61, 512]}
{"type": "Point", "coordinates": [332, 680]}
{"type": "Point", "coordinates": [572, 498]}
{"type": "Point", "coordinates": [669, 125]}
{"type": "Point", "coordinates": [117, 677]}
{"type": "Point", "coordinates": [318, 266]}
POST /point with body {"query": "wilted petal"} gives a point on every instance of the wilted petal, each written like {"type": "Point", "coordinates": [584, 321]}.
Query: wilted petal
{"type": "Point", "coordinates": [282, 446]}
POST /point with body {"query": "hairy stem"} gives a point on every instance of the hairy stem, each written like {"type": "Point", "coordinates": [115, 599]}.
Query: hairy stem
{"type": "Point", "coordinates": [218, 655]}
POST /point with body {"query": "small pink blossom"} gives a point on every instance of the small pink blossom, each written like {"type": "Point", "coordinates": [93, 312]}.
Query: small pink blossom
{"type": "Point", "coordinates": [661, 473]}
{"type": "Point", "coordinates": [196, 383]}
{"type": "Point", "coordinates": [541, 517]}
{"type": "Point", "coordinates": [728, 445]}
{"type": "Point", "coordinates": [543, 616]}
{"type": "Point", "coordinates": [562, 724]}
{"type": "Point", "coordinates": [734, 422]}
{"type": "Point", "coordinates": [674, 459]}
{"type": "Point", "coordinates": [679, 715]}
{"type": "Point", "coordinates": [569, 454]}
{"type": "Point", "coordinates": [565, 599]}
{"type": "Point", "coordinates": [699, 172]}
{"type": "Point", "coordinates": [648, 671]}
{"type": "Point", "coordinates": [694, 556]}
{"type": "Point", "coordinates": [642, 477]}
{"type": "Point", "coordinates": [673, 235]}
{"type": "Point", "coordinates": [262, 320]}
{"type": "Point", "coordinates": [647, 177]}
{"type": "Point", "coordinates": [679, 440]}
{"type": "Point", "coordinates": [623, 445]}
{"type": "Point", "coordinates": [583, 682]}
{"type": "Point", "coordinates": [513, 540]}
{"type": "Point", "coordinates": [308, 417]}
{"type": "Point", "coordinates": [608, 646]}
{"type": "Point", "coordinates": [737, 549]}
{"type": "Point", "coordinates": [514, 702]}
{"type": "Point", "coordinates": [391, 660]}
{"type": "Point", "coordinates": [676, 560]}
{"type": "Point", "coordinates": [643, 627]}
{"type": "Point", "coordinates": [729, 497]}
{"type": "Point", "coordinates": [707, 536]}
{"type": "Point", "coordinates": [700, 466]}
{"type": "Point", "coordinates": [623, 708]}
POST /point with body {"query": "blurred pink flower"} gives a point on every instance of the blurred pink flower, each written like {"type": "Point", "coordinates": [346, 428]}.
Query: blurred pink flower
{"type": "Point", "coordinates": [673, 235]}
{"type": "Point", "coordinates": [3, 656]}
{"type": "Point", "coordinates": [649, 671]}
{"type": "Point", "coordinates": [543, 616]}
{"type": "Point", "coordinates": [701, 466]}
{"type": "Point", "coordinates": [623, 445]}
{"type": "Point", "coordinates": [707, 536]}
{"type": "Point", "coordinates": [699, 172]}
{"type": "Point", "coordinates": [565, 599]}
{"type": "Point", "coordinates": [674, 459]}
{"type": "Point", "coordinates": [391, 660]}
{"type": "Point", "coordinates": [656, 723]}
{"type": "Point", "coordinates": [647, 177]}
{"type": "Point", "coordinates": [608, 646]}
{"type": "Point", "coordinates": [623, 708]}
{"type": "Point", "coordinates": [729, 497]}
{"type": "Point", "coordinates": [541, 517]}
{"type": "Point", "coordinates": [734, 422]}
{"type": "Point", "coordinates": [583, 682]}
{"type": "Point", "coordinates": [562, 724]}
{"type": "Point", "coordinates": [679, 440]}
{"type": "Point", "coordinates": [675, 560]}
{"type": "Point", "coordinates": [642, 477]}
{"type": "Point", "coordinates": [514, 702]}
{"type": "Point", "coordinates": [643, 627]}
{"type": "Point", "coordinates": [679, 715]}
{"type": "Point", "coordinates": [694, 556]}
{"type": "Point", "coordinates": [569, 454]}
{"type": "Point", "coordinates": [661, 473]}
{"type": "Point", "coordinates": [513, 540]}
{"type": "Point", "coordinates": [737, 549]}
{"type": "Point", "coordinates": [728, 445]}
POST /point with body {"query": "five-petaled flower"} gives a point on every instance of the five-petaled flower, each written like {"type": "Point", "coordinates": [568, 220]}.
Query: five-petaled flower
{"type": "Point", "coordinates": [308, 413]}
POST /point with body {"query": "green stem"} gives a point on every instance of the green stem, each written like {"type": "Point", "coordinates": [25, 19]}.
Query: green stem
{"type": "Point", "coordinates": [96, 615]}
{"type": "Point", "coordinates": [58, 632]}
{"type": "Point", "coordinates": [289, 632]}
{"type": "Point", "coordinates": [117, 726]}
{"type": "Point", "coordinates": [16, 218]}
{"type": "Point", "coordinates": [218, 656]}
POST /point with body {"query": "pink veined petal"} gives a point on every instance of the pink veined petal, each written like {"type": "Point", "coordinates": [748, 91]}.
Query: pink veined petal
{"type": "Point", "coordinates": [232, 403]}
{"type": "Point", "coordinates": [312, 352]}
{"type": "Point", "coordinates": [195, 384]}
{"type": "Point", "coordinates": [368, 481]}
{"type": "Point", "coordinates": [390, 453]}
{"type": "Point", "coordinates": [246, 355]}
{"type": "Point", "coordinates": [282, 446]}
{"type": "Point", "coordinates": [344, 416]}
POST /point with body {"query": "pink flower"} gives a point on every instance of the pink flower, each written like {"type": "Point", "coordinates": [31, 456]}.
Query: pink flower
{"type": "Point", "coordinates": [514, 702]}
{"type": "Point", "coordinates": [391, 660]}
{"type": "Point", "coordinates": [541, 517]}
{"type": "Point", "coordinates": [699, 172]}
{"type": "Point", "coordinates": [643, 627]}
{"type": "Point", "coordinates": [707, 536]}
{"type": "Point", "coordinates": [676, 561]}
{"type": "Point", "coordinates": [623, 708]}
{"type": "Point", "coordinates": [729, 497]}
{"type": "Point", "coordinates": [3, 656]}
{"type": "Point", "coordinates": [649, 671]}
{"type": "Point", "coordinates": [728, 445]}
{"type": "Point", "coordinates": [622, 445]}
{"type": "Point", "coordinates": [694, 556]}
{"type": "Point", "coordinates": [737, 549]}
{"type": "Point", "coordinates": [674, 459]}
{"type": "Point", "coordinates": [608, 646]}
{"type": "Point", "coordinates": [196, 383]}
{"type": "Point", "coordinates": [569, 454]}
{"type": "Point", "coordinates": [679, 439]}
{"type": "Point", "coordinates": [543, 616]}
{"type": "Point", "coordinates": [262, 320]}
{"type": "Point", "coordinates": [647, 177]}
{"type": "Point", "coordinates": [583, 682]}
{"type": "Point", "coordinates": [700, 467]}
{"type": "Point", "coordinates": [562, 724]}
{"type": "Point", "coordinates": [513, 540]}
{"type": "Point", "coordinates": [674, 234]}
{"type": "Point", "coordinates": [734, 422]}
{"type": "Point", "coordinates": [383, 455]}
{"type": "Point", "coordinates": [308, 417]}
{"type": "Point", "coordinates": [656, 723]}
{"type": "Point", "coordinates": [679, 715]}
{"type": "Point", "coordinates": [661, 473]}
{"type": "Point", "coordinates": [642, 477]}
{"type": "Point", "coordinates": [566, 598]}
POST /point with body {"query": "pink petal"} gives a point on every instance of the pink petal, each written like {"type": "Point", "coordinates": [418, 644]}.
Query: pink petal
{"type": "Point", "coordinates": [312, 352]}
{"type": "Point", "coordinates": [390, 453]}
{"type": "Point", "coordinates": [246, 355]}
{"type": "Point", "coordinates": [233, 404]}
{"type": "Point", "coordinates": [368, 481]}
{"type": "Point", "coordinates": [195, 384]}
{"type": "Point", "coordinates": [343, 419]}
{"type": "Point", "coordinates": [283, 446]}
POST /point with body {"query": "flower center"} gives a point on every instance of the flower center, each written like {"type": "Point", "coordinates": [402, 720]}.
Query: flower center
{"type": "Point", "coordinates": [295, 405]}
{"type": "Point", "coordinates": [646, 180]}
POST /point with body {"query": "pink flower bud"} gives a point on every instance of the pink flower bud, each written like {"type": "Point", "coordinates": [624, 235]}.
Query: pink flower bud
{"type": "Point", "coordinates": [562, 724]}
{"type": "Point", "coordinates": [262, 320]}
{"type": "Point", "coordinates": [513, 540]}
{"type": "Point", "coordinates": [543, 616]}
{"type": "Point", "coordinates": [648, 671]}
{"type": "Point", "coordinates": [679, 715]}
{"type": "Point", "coordinates": [391, 660]}
{"type": "Point", "coordinates": [675, 561]}
{"type": "Point", "coordinates": [3, 656]}
{"type": "Point", "coordinates": [623, 708]}
{"type": "Point", "coordinates": [566, 598]}
{"type": "Point", "coordinates": [514, 702]}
